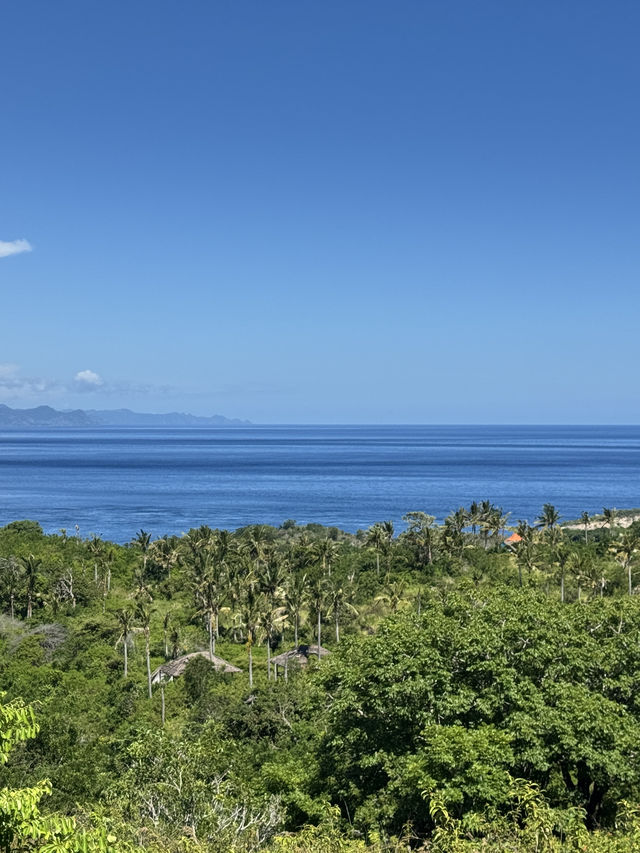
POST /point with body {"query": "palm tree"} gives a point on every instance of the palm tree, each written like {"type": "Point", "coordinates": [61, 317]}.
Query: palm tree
{"type": "Point", "coordinates": [144, 615]}
{"type": "Point", "coordinates": [624, 552]}
{"type": "Point", "coordinates": [271, 619]}
{"type": "Point", "coordinates": [317, 599]}
{"type": "Point", "coordinates": [251, 612]}
{"type": "Point", "coordinates": [497, 522]}
{"type": "Point", "coordinates": [609, 517]}
{"type": "Point", "coordinates": [421, 534]}
{"type": "Point", "coordinates": [174, 639]}
{"type": "Point", "coordinates": [11, 575]}
{"type": "Point", "coordinates": [581, 565]}
{"type": "Point", "coordinates": [376, 540]}
{"type": "Point", "coordinates": [96, 549]}
{"type": "Point", "coordinates": [484, 515]}
{"type": "Point", "coordinates": [562, 555]}
{"type": "Point", "coordinates": [326, 551]}
{"type": "Point", "coordinates": [548, 518]}
{"type": "Point", "coordinates": [339, 595]}
{"type": "Point", "coordinates": [143, 541]}
{"type": "Point", "coordinates": [474, 516]}
{"type": "Point", "coordinates": [394, 595]}
{"type": "Point", "coordinates": [585, 519]}
{"type": "Point", "coordinates": [295, 595]}
{"type": "Point", "coordinates": [166, 624]}
{"type": "Point", "coordinates": [525, 548]}
{"type": "Point", "coordinates": [31, 564]}
{"type": "Point", "coordinates": [125, 623]}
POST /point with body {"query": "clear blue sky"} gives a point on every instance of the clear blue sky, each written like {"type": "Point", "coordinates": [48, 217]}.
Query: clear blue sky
{"type": "Point", "coordinates": [365, 211]}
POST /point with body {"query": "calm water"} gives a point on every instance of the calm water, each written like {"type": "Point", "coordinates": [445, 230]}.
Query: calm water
{"type": "Point", "coordinates": [112, 482]}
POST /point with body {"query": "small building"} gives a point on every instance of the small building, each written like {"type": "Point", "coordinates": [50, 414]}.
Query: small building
{"type": "Point", "coordinates": [297, 657]}
{"type": "Point", "coordinates": [175, 668]}
{"type": "Point", "coordinates": [513, 540]}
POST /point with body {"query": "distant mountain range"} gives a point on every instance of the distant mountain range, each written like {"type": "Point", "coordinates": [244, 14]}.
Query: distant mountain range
{"type": "Point", "coordinates": [45, 416]}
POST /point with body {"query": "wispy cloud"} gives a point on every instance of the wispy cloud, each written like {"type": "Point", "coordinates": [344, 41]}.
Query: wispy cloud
{"type": "Point", "coordinates": [14, 247]}
{"type": "Point", "coordinates": [14, 386]}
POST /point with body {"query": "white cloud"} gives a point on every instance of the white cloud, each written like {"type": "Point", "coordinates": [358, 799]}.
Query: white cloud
{"type": "Point", "coordinates": [88, 379]}
{"type": "Point", "coordinates": [14, 247]}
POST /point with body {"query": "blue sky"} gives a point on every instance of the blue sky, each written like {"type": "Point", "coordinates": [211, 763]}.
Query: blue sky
{"type": "Point", "coordinates": [322, 212]}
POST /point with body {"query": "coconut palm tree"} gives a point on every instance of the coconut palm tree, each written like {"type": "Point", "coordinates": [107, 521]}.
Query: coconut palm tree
{"type": "Point", "coordinates": [251, 612]}
{"type": "Point", "coordinates": [562, 556]}
{"type": "Point", "coordinates": [624, 552]}
{"type": "Point", "coordinates": [609, 518]}
{"type": "Point", "coordinates": [394, 595]}
{"type": "Point", "coordinates": [525, 549]}
{"type": "Point", "coordinates": [295, 596]}
{"type": "Point", "coordinates": [326, 552]}
{"type": "Point", "coordinates": [548, 518]}
{"type": "Point", "coordinates": [125, 623]}
{"type": "Point", "coordinates": [585, 519]}
{"type": "Point", "coordinates": [421, 534]}
{"type": "Point", "coordinates": [11, 572]}
{"type": "Point", "coordinates": [96, 549]}
{"type": "Point", "coordinates": [142, 541]}
{"type": "Point", "coordinates": [144, 617]}
{"type": "Point", "coordinates": [339, 598]}
{"type": "Point", "coordinates": [31, 565]}
{"type": "Point", "coordinates": [376, 540]}
{"type": "Point", "coordinates": [317, 596]}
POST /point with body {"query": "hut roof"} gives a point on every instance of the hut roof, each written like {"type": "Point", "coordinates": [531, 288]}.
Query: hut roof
{"type": "Point", "coordinates": [175, 668]}
{"type": "Point", "coordinates": [299, 655]}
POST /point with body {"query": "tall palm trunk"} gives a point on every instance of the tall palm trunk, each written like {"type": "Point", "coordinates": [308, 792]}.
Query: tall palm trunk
{"type": "Point", "coordinates": [268, 658]}
{"type": "Point", "coordinates": [148, 656]}
{"type": "Point", "coordinates": [250, 665]}
{"type": "Point", "coordinates": [337, 625]}
{"type": "Point", "coordinates": [319, 630]}
{"type": "Point", "coordinates": [126, 660]}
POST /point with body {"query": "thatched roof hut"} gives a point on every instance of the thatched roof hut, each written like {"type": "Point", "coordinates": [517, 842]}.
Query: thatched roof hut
{"type": "Point", "coordinates": [297, 657]}
{"type": "Point", "coordinates": [174, 668]}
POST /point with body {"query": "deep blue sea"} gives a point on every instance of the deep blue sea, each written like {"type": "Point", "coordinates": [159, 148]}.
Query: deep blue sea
{"type": "Point", "coordinates": [112, 482]}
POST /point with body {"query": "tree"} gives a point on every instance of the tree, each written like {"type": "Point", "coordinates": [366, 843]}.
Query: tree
{"type": "Point", "coordinates": [586, 519]}
{"type": "Point", "coordinates": [609, 518]}
{"type": "Point", "coordinates": [339, 598]}
{"type": "Point", "coordinates": [295, 595]}
{"type": "Point", "coordinates": [421, 534]}
{"type": "Point", "coordinates": [548, 518]}
{"type": "Point", "coordinates": [624, 552]}
{"type": "Point", "coordinates": [125, 624]}
{"type": "Point", "coordinates": [376, 540]}
{"type": "Point", "coordinates": [11, 578]}
{"type": "Point", "coordinates": [31, 565]}
{"type": "Point", "coordinates": [144, 617]}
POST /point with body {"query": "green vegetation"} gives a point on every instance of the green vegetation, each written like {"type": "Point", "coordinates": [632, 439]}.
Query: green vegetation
{"type": "Point", "coordinates": [481, 691]}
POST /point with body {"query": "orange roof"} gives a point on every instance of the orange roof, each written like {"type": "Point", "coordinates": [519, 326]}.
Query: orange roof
{"type": "Point", "coordinates": [513, 539]}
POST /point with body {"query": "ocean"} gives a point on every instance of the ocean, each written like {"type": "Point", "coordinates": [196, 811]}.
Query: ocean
{"type": "Point", "coordinates": [113, 481]}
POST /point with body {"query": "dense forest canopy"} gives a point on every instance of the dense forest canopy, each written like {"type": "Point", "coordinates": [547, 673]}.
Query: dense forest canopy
{"type": "Point", "coordinates": [456, 686]}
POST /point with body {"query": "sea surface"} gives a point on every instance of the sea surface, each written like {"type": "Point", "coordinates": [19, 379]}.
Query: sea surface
{"type": "Point", "coordinates": [114, 481]}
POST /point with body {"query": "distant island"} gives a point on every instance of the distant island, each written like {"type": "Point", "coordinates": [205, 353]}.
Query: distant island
{"type": "Point", "coordinates": [45, 416]}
